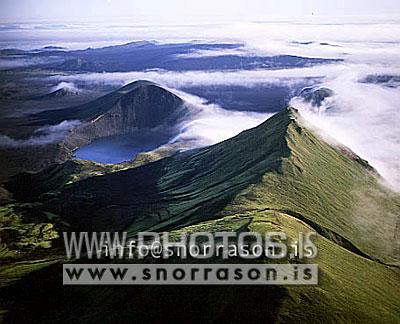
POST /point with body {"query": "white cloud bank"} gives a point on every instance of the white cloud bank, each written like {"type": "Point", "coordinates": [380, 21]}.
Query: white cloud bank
{"type": "Point", "coordinates": [366, 118]}
{"type": "Point", "coordinates": [210, 124]}
{"type": "Point", "coordinates": [42, 136]}
{"type": "Point", "coordinates": [65, 85]}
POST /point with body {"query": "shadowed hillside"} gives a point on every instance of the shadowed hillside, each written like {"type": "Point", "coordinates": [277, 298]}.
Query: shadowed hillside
{"type": "Point", "coordinates": [279, 165]}
{"type": "Point", "coordinates": [279, 176]}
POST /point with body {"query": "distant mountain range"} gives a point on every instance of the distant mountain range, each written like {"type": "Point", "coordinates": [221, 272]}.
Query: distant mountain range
{"type": "Point", "coordinates": [144, 55]}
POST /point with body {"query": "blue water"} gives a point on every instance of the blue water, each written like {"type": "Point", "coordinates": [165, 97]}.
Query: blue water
{"type": "Point", "coordinates": [116, 149]}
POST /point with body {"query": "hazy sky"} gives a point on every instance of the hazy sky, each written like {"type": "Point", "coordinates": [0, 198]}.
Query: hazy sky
{"type": "Point", "coordinates": [181, 11]}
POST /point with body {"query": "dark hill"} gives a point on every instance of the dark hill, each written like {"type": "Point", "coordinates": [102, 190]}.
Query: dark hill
{"type": "Point", "coordinates": [138, 105]}
{"type": "Point", "coordinates": [63, 92]}
{"type": "Point", "coordinates": [316, 96]}
{"type": "Point", "coordinates": [144, 93]}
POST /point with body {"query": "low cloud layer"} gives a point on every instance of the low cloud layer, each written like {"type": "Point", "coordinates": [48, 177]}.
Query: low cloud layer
{"type": "Point", "coordinates": [356, 38]}
{"type": "Point", "coordinates": [175, 79]}
{"type": "Point", "coordinates": [244, 78]}
{"type": "Point", "coordinates": [42, 136]}
{"type": "Point", "coordinates": [365, 117]}
{"type": "Point", "coordinates": [210, 124]}
{"type": "Point", "coordinates": [12, 63]}
{"type": "Point", "coordinates": [65, 85]}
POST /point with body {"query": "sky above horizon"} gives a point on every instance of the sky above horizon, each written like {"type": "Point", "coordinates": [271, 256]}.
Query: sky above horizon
{"type": "Point", "coordinates": [181, 11]}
